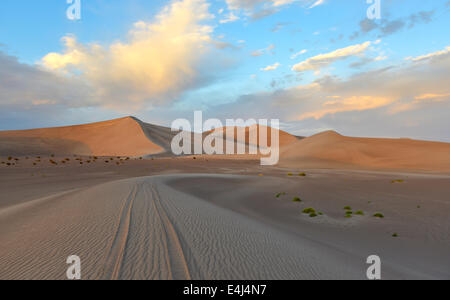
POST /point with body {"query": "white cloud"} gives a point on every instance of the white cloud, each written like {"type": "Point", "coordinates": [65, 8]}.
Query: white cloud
{"type": "Point", "coordinates": [160, 60]}
{"type": "Point", "coordinates": [231, 17]}
{"type": "Point", "coordinates": [430, 55]}
{"type": "Point", "coordinates": [271, 67]}
{"type": "Point", "coordinates": [323, 60]}
{"type": "Point", "coordinates": [317, 3]}
{"type": "Point", "coordinates": [294, 56]}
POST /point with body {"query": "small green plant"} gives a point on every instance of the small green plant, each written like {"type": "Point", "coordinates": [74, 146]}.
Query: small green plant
{"type": "Point", "coordinates": [418, 206]}
{"type": "Point", "coordinates": [378, 215]}
{"type": "Point", "coordinates": [320, 213]}
{"type": "Point", "coordinates": [290, 174]}
{"type": "Point", "coordinates": [347, 208]}
{"type": "Point", "coordinates": [312, 215]}
{"type": "Point", "coordinates": [359, 213]}
{"type": "Point", "coordinates": [349, 212]}
{"type": "Point", "coordinates": [302, 174]}
{"type": "Point", "coordinates": [280, 194]}
{"type": "Point", "coordinates": [296, 199]}
{"type": "Point", "coordinates": [395, 235]}
{"type": "Point", "coordinates": [348, 216]}
{"type": "Point", "coordinates": [309, 211]}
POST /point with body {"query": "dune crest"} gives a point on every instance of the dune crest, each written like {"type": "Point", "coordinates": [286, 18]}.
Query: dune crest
{"type": "Point", "coordinates": [119, 137]}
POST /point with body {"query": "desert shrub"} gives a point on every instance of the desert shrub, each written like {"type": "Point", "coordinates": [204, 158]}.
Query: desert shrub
{"type": "Point", "coordinates": [312, 215]}
{"type": "Point", "coordinates": [347, 208]}
{"type": "Point", "coordinates": [348, 216]}
{"type": "Point", "coordinates": [280, 194]}
{"type": "Point", "coordinates": [349, 212]}
{"type": "Point", "coordinates": [296, 199]}
{"type": "Point", "coordinates": [290, 174]}
{"type": "Point", "coordinates": [359, 213]}
{"type": "Point", "coordinates": [378, 215]}
{"type": "Point", "coordinates": [302, 174]}
{"type": "Point", "coordinates": [395, 235]}
{"type": "Point", "coordinates": [320, 213]}
{"type": "Point", "coordinates": [309, 211]}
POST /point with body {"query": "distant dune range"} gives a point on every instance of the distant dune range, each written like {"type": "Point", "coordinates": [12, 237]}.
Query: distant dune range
{"type": "Point", "coordinates": [132, 137]}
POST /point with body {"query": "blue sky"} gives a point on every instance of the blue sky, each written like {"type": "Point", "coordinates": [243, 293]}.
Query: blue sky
{"type": "Point", "coordinates": [312, 64]}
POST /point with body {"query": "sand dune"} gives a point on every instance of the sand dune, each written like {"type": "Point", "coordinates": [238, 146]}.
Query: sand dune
{"type": "Point", "coordinates": [332, 150]}
{"type": "Point", "coordinates": [121, 137]}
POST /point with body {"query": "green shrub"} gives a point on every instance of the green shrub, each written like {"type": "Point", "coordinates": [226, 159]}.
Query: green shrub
{"type": "Point", "coordinates": [349, 212]}
{"type": "Point", "coordinates": [395, 235]}
{"type": "Point", "coordinates": [312, 215]}
{"type": "Point", "coordinates": [280, 194]}
{"type": "Point", "coordinates": [359, 213]}
{"type": "Point", "coordinates": [296, 199]}
{"type": "Point", "coordinates": [309, 211]}
{"type": "Point", "coordinates": [302, 174]}
{"type": "Point", "coordinates": [378, 215]}
{"type": "Point", "coordinates": [290, 174]}
{"type": "Point", "coordinates": [347, 208]}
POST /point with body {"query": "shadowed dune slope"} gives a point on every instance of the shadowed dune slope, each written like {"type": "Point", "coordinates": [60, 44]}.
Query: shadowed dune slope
{"type": "Point", "coordinates": [330, 150]}
{"type": "Point", "coordinates": [120, 137]}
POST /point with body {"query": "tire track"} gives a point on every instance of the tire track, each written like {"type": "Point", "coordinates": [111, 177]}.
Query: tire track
{"type": "Point", "coordinates": [116, 254]}
{"type": "Point", "coordinates": [179, 268]}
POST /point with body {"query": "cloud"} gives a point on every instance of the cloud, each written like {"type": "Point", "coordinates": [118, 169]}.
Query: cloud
{"type": "Point", "coordinates": [231, 17]}
{"type": "Point", "coordinates": [388, 27]}
{"type": "Point", "coordinates": [271, 67]}
{"type": "Point", "coordinates": [25, 87]}
{"type": "Point", "coordinates": [355, 103]}
{"type": "Point", "coordinates": [159, 61]}
{"type": "Point", "coordinates": [258, 9]}
{"type": "Point", "coordinates": [261, 52]}
{"type": "Point", "coordinates": [294, 56]}
{"type": "Point", "coordinates": [317, 3]}
{"type": "Point", "coordinates": [407, 100]}
{"type": "Point", "coordinates": [430, 55]}
{"type": "Point", "coordinates": [323, 60]}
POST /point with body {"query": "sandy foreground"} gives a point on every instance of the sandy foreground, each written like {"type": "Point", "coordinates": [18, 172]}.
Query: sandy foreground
{"type": "Point", "coordinates": [220, 219]}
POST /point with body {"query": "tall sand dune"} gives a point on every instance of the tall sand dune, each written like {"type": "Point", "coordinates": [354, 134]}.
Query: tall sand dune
{"type": "Point", "coordinates": [120, 137]}
{"type": "Point", "coordinates": [332, 150]}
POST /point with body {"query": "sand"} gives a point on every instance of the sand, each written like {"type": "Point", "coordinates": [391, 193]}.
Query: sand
{"type": "Point", "coordinates": [208, 226]}
{"type": "Point", "coordinates": [219, 217]}
{"type": "Point", "coordinates": [121, 137]}
{"type": "Point", "coordinates": [332, 150]}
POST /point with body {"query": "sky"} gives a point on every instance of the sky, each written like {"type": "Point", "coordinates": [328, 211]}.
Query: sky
{"type": "Point", "coordinates": [315, 65]}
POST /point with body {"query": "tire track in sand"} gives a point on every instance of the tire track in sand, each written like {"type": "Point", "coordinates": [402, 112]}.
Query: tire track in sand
{"type": "Point", "coordinates": [145, 244]}
{"type": "Point", "coordinates": [179, 268]}
{"type": "Point", "coordinates": [116, 253]}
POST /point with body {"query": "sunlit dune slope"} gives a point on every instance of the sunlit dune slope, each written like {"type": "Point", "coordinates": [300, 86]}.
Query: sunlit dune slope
{"type": "Point", "coordinates": [331, 150]}
{"type": "Point", "coordinates": [120, 137]}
